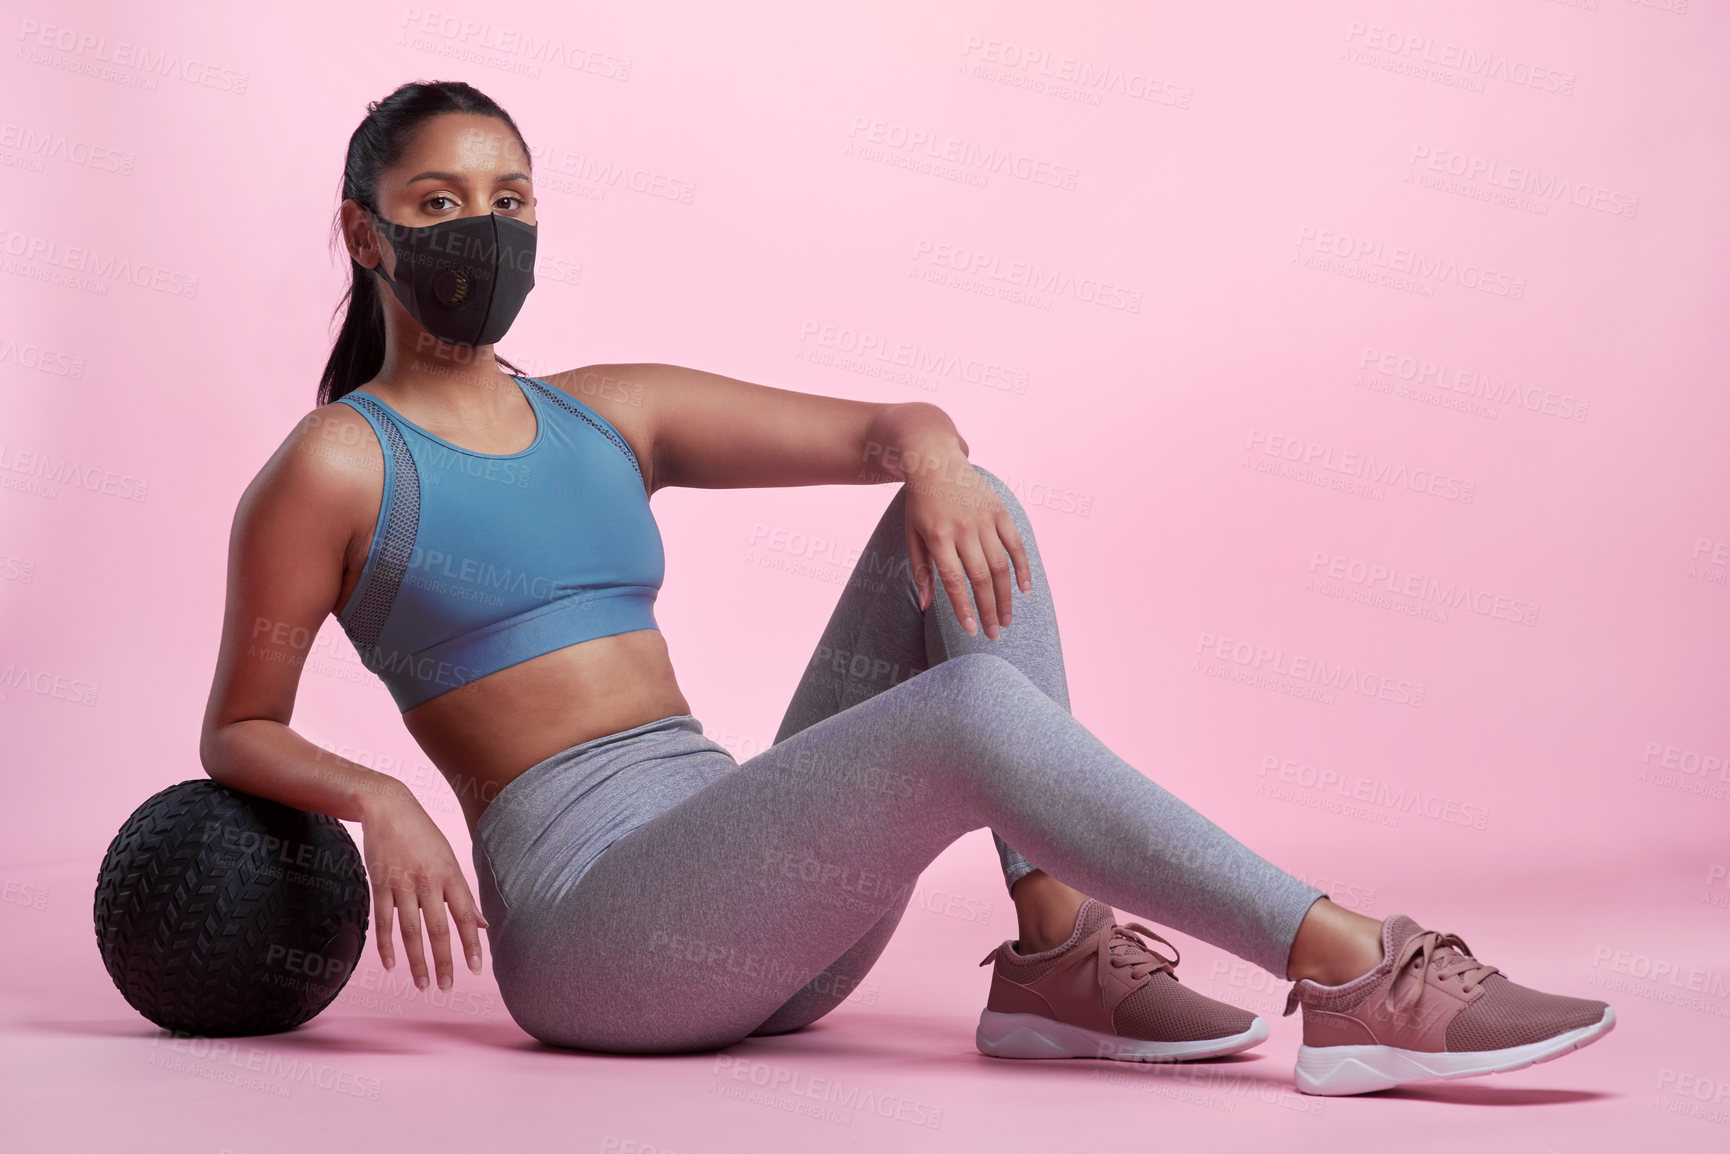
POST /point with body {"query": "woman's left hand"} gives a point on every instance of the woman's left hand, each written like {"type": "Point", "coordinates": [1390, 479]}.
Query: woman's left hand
{"type": "Point", "coordinates": [958, 528]}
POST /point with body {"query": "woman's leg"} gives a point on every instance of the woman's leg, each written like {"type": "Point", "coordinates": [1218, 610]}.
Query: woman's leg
{"type": "Point", "coordinates": [878, 636]}
{"type": "Point", "coordinates": [697, 926]}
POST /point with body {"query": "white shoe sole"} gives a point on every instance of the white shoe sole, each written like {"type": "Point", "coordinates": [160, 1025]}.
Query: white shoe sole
{"type": "Point", "coordinates": [1034, 1036]}
{"type": "Point", "coordinates": [1364, 1069]}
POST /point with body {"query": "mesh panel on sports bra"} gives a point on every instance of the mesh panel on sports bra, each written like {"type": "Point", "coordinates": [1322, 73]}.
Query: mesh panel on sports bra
{"type": "Point", "coordinates": [560, 399]}
{"type": "Point", "coordinates": [403, 520]}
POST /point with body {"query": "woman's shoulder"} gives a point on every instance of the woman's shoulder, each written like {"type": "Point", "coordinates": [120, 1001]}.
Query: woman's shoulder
{"type": "Point", "coordinates": [330, 458]}
{"type": "Point", "coordinates": [614, 393]}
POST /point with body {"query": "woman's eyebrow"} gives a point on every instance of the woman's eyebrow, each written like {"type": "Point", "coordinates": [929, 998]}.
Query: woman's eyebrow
{"type": "Point", "coordinates": [457, 178]}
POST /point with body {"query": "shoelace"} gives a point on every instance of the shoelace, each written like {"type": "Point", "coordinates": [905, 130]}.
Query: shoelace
{"type": "Point", "coordinates": [1447, 952]}
{"type": "Point", "coordinates": [1141, 959]}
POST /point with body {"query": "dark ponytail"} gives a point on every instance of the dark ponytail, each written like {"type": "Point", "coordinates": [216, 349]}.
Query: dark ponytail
{"type": "Point", "coordinates": [378, 143]}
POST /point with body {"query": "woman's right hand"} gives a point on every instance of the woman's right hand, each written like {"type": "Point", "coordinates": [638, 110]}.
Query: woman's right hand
{"type": "Point", "coordinates": [415, 875]}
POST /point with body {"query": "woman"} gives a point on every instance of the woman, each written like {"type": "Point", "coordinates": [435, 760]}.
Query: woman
{"type": "Point", "coordinates": [485, 539]}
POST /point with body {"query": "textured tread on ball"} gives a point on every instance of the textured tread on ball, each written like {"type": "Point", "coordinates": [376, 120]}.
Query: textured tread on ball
{"type": "Point", "coordinates": [220, 913]}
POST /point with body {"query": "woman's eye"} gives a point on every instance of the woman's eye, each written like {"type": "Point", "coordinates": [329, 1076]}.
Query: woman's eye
{"type": "Point", "coordinates": [518, 199]}
{"type": "Point", "coordinates": [430, 199]}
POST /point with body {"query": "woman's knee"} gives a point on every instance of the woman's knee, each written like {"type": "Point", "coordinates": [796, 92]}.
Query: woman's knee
{"type": "Point", "coordinates": [971, 687]}
{"type": "Point", "coordinates": [974, 704]}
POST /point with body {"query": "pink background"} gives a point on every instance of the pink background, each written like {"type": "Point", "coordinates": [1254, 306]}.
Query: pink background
{"type": "Point", "coordinates": [1266, 192]}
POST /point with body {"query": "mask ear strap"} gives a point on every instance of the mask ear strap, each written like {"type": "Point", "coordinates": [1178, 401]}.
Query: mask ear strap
{"type": "Point", "coordinates": [379, 268]}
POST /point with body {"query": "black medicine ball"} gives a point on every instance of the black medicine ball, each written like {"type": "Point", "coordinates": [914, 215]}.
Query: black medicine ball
{"type": "Point", "coordinates": [221, 913]}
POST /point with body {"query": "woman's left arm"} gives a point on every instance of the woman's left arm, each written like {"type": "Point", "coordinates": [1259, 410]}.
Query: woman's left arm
{"type": "Point", "coordinates": [703, 430]}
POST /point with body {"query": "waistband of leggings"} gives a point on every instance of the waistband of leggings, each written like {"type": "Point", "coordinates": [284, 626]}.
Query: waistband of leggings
{"type": "Point", "coordinates": [525, 781]}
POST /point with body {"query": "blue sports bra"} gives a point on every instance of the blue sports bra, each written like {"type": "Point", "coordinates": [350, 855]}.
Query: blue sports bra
{"type": "Point", "coordinates": [483, 560]}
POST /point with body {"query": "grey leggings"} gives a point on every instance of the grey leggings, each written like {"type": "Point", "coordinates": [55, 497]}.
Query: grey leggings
{"type": "Point", "coordinates": [646, 893]}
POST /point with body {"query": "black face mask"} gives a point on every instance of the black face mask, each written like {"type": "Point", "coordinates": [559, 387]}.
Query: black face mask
{"type": "Point", "coordinates": [465, 279]}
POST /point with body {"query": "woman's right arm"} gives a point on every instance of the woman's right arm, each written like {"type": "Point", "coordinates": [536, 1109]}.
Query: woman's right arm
{"type": "Point", "coordinates": [290, 534]}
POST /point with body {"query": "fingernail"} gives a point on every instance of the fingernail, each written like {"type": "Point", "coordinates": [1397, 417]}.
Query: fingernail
{"type": "Point", "coordinates": [445, 981]}
{"type": "Point", "coordinates": [992, 632]}
{"type": "Point", "coordinates": [420, 983]}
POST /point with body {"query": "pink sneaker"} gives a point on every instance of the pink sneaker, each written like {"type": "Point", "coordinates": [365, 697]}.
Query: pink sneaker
{"type": "Point", "coordinates": [1105, 994]}
{"type": "Point", "coordinates": [1431, 1011]}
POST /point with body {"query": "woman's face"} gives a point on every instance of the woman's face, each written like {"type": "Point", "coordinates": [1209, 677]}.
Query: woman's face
{"type": "Point", "coordinates": [459, 164]}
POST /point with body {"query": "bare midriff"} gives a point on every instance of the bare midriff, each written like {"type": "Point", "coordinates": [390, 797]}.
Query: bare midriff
{"type": "Point", "coordinates": [483, 734]}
